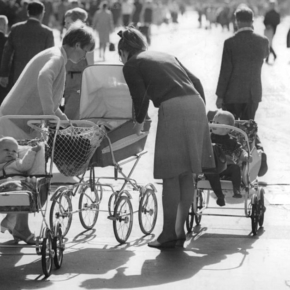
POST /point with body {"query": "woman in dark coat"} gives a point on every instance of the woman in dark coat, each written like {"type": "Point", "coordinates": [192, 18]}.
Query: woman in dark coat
{"type": "Point", "coordinates": [183, 143]}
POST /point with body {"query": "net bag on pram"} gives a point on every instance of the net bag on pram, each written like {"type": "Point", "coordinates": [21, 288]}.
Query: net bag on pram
{"type": "Point", "coordinates": [74, 147]}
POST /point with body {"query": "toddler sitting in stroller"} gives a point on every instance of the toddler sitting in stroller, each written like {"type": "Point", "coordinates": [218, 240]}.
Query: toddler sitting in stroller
{"type": "Point", "coordinates": [235, 155]}
{"type": "Point", "coordinates": [11, 164]}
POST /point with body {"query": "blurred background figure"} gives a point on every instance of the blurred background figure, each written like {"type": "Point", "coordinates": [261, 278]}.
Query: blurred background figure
{"type": "Point", "coordinates": [136, 12]}
{"type": "Point", "coordinates": [61, 9]}
{"type": "Point", "coordinates": [76, 16]}
{"type": "Point", "coordinates": [116, 9]}
{"type": "Point", "coordinates": [103, 24]}
{"type": "Point", "coordinates": [21, 14]}
{"type": "Point", "coordinates": [3, 39]}
{"type": "Point", "coordinates": [174, 10]}
{"type": "Point", "coordinates": [93, 7]}
{"type": "Point", "coordinates": [127, 9]}
{"type": "Point", "coordinates": [48, 12]}
{"type": "Point", "coordinates": [25, 40]}
{"type": "Point", "coordinates": [147, 20]}
{"type": "Point", "coordinates": [271, 21]}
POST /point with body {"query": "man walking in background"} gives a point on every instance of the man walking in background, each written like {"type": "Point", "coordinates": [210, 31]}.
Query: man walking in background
{"type": "Point", "coordinates": [271, 21]}
{"type": "Point", "coordinates": [239, 88]}
{"type": "Point", "coordinates": [25, 40]}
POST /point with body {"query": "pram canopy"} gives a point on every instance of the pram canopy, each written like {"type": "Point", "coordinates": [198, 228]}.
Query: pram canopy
{"type": "Point", "coordinates": [105, 95]}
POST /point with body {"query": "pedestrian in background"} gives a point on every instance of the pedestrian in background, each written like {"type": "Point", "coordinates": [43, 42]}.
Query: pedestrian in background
{"type": "Point", "coordinates": [127, 9]}
{"type": "Point", "coordinates": [74, 70]}
{"type": "Point", "coordinates": [3, 39]}
{"type": "Point", "coordinates": [136, 12]}
{"type": "Point", "coordinates": [183, 143]}
{"type": "Point", "coordinates": [25, 40]}
{"type": "Point", "coordinates": [271, 21]}
{"type": "Point", "coordinates": [103, 24]}
{"type": "Point", "coordinates": [239, 88]}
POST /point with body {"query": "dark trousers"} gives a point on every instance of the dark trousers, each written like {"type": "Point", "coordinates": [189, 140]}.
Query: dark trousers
{"type": "Point", "coordinates": [232, 172]}
{"type": "Point", "coordinates": [273, 52]}
{"type": "Point", "coordinates": [242, 111]}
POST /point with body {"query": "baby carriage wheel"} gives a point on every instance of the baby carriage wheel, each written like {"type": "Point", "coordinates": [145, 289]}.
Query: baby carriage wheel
{"type": "Point", "coordinates": [47, 254]}
{"type": "Point", "coordinates": [148, 210]}
{"type": "Point", "coordinates": [199, 206]}
{"type": "Point", "coordinates": [58, 247]}
{"type": "Point", "coordinates": [112, 202]}
{"type": "Point", "coordinates": [123, 219]}
{"type": "Point", "coordinates": [61, 211]}
{"type": "Point", "coordinates": [262, 207]}
{"type": "Point", "coordinates": [254, 215]}
{"type": "Point", "coordinates": [89, 203]}
{"type": "Point", "coordinates": [190, 219]}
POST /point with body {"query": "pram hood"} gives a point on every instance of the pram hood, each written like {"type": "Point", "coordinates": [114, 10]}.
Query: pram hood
{"type": "Point", "coordinates": [104, 93]}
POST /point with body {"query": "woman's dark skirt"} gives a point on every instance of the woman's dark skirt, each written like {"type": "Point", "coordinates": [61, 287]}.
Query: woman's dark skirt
{"type": "Point", "coordinates": [183, 141]}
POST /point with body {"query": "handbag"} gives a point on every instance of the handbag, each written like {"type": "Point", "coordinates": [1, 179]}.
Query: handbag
{"type": "Point", "coordinates": [112, 47]}
{"type": "Point", "coordinates": [220, 161]}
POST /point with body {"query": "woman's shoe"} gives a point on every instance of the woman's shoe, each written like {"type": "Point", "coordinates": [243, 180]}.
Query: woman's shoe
{"type": "Point", "coordinates": [30, 240]}
{"type": "Point", "coordinates": [164, 245]}
{"type": "Point", "coordinates": [180, 243]}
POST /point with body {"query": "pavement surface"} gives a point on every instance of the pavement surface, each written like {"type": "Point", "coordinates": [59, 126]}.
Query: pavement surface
{"type": "Point", "coordinates": [221, 253]}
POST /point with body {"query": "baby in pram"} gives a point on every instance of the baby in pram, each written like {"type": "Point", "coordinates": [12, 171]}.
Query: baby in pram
{"type": "Point", "coordinates": [235, 155]}
{"type": "Point", "coordinates": [10, 164]}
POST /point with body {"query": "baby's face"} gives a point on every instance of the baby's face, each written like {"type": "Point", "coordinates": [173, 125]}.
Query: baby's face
{"type": "Point", "coordinates": [8, 151]}
{"type": "Point", "coordinates": [220, 120]}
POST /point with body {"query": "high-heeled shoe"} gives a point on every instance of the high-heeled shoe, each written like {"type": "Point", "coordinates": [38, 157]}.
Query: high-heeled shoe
{"type": "Point", "coordinates": [180, 243]}
{"type": "Point", "coordinates": [30, 240]}
{"type": "Point", "coordinates": [158, 245]}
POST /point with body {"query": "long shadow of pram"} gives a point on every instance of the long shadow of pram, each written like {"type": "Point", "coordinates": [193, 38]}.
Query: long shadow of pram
{"type": "Point", "coordinates": [172, 265]}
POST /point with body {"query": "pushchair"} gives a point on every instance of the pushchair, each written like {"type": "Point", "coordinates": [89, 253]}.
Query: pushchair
{"type": "Point", "coordinates": [105, 100]}
{"type": "Point", "coordinates": [28, 197]}
{"type": "Point", "coordinates": [253, 195]}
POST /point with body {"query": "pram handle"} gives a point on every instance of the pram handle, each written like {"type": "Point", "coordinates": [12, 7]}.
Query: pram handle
{"type": "Point", "coordinates": [65, 123]}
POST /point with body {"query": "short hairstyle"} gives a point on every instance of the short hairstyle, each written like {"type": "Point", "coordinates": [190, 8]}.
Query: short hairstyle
{"type": "Point", "coordinates": [79, 34]}
{"type": "Point", "coordinates": [77, 14]}
{"type": "Point", "coordinates": [35, 8]}
{"type": "Point", "coordinates": [244, 14]}
{"type": "Point", "coordinates": [132, 41]}
{"type": "Point", "coordinates": [229, 117]}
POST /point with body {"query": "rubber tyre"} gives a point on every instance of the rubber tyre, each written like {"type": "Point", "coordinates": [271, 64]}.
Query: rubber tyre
{"type": "Point", "coordinates": [199, 206]}
{"type": "Point", "coordinates": [262, 207]}
{"type": "Point", "coordinates": [62, 206]}
{"type": "Point", "coordinates": [89, 204]}
{"type": "Point", "coordinates": [58, 247]}
{"type": "Point", "coordinates": [255, 215]}
{"type": "Point", "coordinates": [123, 219]}
{"type": "Point", "coordinates": [148, 210]}
{"type": "Point", "coordinates": [46, 257]}
{"type": "Point", "coordinates": [190, 219]}
{"type": "Point", "coordinates": [112, 203]}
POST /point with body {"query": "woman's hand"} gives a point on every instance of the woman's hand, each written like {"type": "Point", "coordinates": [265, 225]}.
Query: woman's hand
{"type": "Point", "coordinates": [138, 128]}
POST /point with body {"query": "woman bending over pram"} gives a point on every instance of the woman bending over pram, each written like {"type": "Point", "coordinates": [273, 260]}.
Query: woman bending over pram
{"type": "Point", "coordinates": [10, 163]}
{"type": "Point", "coordinates": [234, 152]}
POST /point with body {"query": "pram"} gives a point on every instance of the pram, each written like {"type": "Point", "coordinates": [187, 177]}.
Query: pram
{"type": "Point", "coordinates": [105, 100]}
{"type": "Point", "coordinates": [31, 199]}
{"type": "Point", "coordinates": [254, 204]}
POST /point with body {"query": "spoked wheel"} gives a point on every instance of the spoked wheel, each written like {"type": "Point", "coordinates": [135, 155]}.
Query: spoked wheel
{"type": "Point", "coordinates": [255, 215]}
{"type": "Point", "coordinates": [89, 204]}
{"type": "Point", "coordinates": [58, 247]}
{"type": "Point", "coordinates": [112, 203]}
{"type": "Point", "coordinates": [199, 206]}
{"type": "Point", "coordinates": [61, 211]}
{"type": "Point", "coordinates": [47, 254]}
{"type": "Point", "coordinates": [148, 210]}
{"type": "Point", "coordinates": [262, 207]}
{"type": "Point", "coordinates": [123, 219]}
{"type": "Point", "coordinates": [190, 219]}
